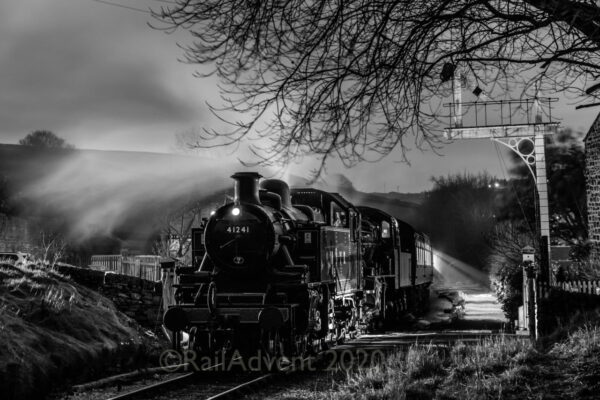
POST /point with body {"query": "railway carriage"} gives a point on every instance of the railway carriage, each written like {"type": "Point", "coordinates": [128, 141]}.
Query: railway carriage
{"type": "Point", "coordinates": [288, 272]}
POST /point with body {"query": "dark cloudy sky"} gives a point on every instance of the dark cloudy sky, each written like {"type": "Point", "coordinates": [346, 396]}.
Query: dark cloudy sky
{"type": "Point", "coordinates": [98, 76]}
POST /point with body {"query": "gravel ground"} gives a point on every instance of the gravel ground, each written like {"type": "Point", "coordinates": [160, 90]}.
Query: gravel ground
{"type": "Point", "coordinates": [301, 386]}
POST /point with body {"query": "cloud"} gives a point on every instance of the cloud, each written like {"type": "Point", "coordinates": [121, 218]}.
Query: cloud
{"type": "Point", "coordinates": [81, 65]}
{"type": "Point", "coordinates": [99, 77]}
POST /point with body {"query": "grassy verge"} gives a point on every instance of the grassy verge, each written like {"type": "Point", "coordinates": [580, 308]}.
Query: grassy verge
{"type": "Point", "coordinates": [493, 369]}
{"type": "Point", "coordinates": [502, 368]}
{"type": "Point", "coordinates": [54, 331]}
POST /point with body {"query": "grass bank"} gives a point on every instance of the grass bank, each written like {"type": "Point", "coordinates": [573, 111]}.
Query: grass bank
{"type": "Point", "coordinates": [54, 332]}
{"type": "Point", "coordinates": [502, 368]}
{"type": "Point", "coordinates": [494, 369]}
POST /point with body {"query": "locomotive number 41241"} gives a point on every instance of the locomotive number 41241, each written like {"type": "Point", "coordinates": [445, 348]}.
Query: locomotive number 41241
{"type": "Point", "coordinates": [238, 229]}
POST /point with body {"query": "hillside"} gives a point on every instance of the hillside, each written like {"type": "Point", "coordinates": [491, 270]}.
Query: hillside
{"type": "Point", "coordinates": [116, 195]}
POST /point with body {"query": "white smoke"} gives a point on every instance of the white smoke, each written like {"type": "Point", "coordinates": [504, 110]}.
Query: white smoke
{"type": "Point", "coordinates": [96, 191]}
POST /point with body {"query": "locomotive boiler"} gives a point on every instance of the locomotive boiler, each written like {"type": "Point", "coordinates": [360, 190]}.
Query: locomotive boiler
{"type": "Point", "coordinates": [287, 272]}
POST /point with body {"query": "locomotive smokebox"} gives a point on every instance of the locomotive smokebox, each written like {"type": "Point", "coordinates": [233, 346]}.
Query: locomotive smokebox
{"type": "Point", "coordinates": [278, 187]}
{"type": "Point", "coordinates": [245, 189]}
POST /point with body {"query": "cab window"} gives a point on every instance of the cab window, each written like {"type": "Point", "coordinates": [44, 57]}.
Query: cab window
{"type": "Point", "coordinates": [385, 230]}
{"type": "Point", "coordinates": [338, 216]}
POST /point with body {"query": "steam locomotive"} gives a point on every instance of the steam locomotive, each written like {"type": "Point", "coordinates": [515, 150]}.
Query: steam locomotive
{"type": "Point", "coordinates": [293, 271]}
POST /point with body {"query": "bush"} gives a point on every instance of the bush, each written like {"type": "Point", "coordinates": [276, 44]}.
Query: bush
{"type": "Point", "coordinates": [506, 273]}
{"type": "Point", "coordinates": [577, 271]}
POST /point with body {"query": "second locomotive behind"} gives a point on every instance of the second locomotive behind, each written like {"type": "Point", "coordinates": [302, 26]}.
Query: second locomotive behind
{"type": "Point", "coordinates": [288, 272]}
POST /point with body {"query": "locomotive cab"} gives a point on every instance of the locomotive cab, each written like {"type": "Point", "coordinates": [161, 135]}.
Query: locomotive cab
{"type": "Point", "coordinates": [332, 250]}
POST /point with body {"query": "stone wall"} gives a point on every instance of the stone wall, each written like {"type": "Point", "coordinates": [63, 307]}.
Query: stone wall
{"type": "Point", "coordinates": [592, 179]}
{"type": "Point", "coordinates": [137, 298]}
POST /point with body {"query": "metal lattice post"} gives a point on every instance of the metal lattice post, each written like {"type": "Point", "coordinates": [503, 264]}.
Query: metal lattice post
{"type": "Point", "coordinates": [457, 84]}
{"type": "Point", "coordinates": [542, 190]}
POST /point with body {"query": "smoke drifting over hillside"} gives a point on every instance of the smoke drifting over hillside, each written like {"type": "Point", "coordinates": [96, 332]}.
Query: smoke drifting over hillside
{"type": "Point", "coordinates": [100, 192]}
{"type": "Point", "coordinates": [127, 195]}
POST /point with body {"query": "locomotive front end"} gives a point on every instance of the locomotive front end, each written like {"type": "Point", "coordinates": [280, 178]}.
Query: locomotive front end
{"type": "Point", "coordinates": [247, 294]}
{"type": "Point", "coordinates": [240, 239]}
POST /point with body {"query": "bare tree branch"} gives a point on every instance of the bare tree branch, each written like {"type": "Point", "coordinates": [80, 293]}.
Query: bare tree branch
{"type": "Point", "coordinates": [355, 79]}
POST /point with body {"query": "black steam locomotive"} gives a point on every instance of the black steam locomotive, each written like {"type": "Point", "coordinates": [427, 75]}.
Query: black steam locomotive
{"type": "Point", "coordinates": [288, 272]}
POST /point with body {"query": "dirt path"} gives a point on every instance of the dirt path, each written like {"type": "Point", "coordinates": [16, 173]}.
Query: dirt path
{"type": "Point", "coordinates": [461, 297]}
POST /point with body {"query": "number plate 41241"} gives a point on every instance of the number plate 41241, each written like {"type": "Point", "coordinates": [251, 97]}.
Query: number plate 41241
{"type": "Point", "coordinates": [238, 229]}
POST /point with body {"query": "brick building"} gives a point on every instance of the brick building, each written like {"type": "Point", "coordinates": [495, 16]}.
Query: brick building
{"type": "Point", "coordinates": [592, 182]}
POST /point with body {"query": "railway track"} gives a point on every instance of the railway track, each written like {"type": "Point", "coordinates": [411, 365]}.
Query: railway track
{"type": "Point", "coordinates": [208, 383]}
{"type": "Point", "coordinates": [155, 387]}
{"type": "Point", "coordinates": [241, 388]}
{"type": "Point", "coordinates": [213, 384]}
{"type": "Point", "coordinates": [251, 385]}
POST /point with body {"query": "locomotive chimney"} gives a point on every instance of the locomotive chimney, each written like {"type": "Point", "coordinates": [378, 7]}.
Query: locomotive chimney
{"type": "Point", "coordinates": [278, 187]}
{"type": "Point", "coordinates": [245, 189]}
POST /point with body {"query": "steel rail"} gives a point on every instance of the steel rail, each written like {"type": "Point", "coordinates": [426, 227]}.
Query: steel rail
{"type": "Point", "coordinates": [160, 385]}
{"type": "Point", "coordinates": [241, 387]}
{"type": "Point", "coordinates": [150, 388]}
{"type": "Point", "coordinates": [248, 385]}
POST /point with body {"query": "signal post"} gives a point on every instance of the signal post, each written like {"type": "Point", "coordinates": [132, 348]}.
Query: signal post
{"type": "Point", "coordinates": [515, 124]}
